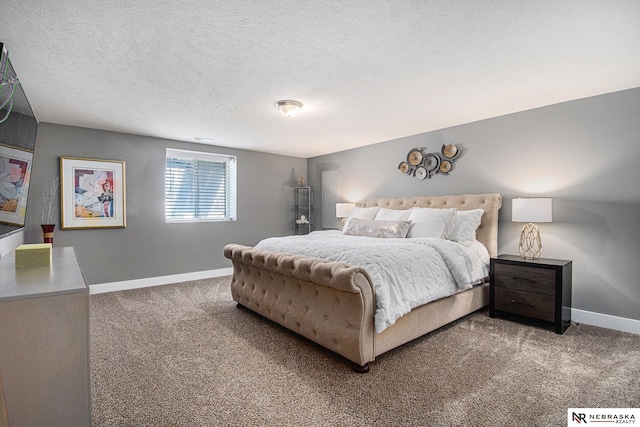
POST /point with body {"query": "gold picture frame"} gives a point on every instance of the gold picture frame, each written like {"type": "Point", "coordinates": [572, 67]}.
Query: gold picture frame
{"type": "Point", "coordinates": [92, 193]}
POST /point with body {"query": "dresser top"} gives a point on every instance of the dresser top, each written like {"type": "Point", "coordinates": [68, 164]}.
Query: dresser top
{"type": "Point", "coordinates": [63, 276]}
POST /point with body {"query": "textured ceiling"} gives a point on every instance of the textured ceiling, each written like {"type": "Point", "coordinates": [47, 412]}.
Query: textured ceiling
{"type": "Point", "coordinates": [366, 71]}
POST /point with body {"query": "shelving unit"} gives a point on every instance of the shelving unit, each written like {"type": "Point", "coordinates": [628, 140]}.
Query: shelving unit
{"type": "Point", "coordinates": [302, 205]}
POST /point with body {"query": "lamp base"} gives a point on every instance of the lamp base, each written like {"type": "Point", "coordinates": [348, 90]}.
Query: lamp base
{"type": "Point", "coordinates": [530, 246]}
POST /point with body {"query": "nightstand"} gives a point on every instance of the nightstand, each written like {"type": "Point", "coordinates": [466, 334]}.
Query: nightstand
{"type": "Point", "coordinates": [531, 290]}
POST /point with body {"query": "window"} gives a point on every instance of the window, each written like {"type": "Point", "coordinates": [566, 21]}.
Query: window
{"type": "Point", "coordinates": [199, 187]}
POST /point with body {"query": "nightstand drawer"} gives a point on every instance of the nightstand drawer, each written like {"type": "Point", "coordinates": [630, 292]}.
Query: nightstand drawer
{"type": "Point", "coordinates": [525, 303]}
{"type": "Point", "coordinates": [529, 279]}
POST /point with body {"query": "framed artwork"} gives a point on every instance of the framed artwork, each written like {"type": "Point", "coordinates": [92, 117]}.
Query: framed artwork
{"type": "Point", "coordinates": [92, 193]}
{"type": "Point", "coordinates": [15, 171]}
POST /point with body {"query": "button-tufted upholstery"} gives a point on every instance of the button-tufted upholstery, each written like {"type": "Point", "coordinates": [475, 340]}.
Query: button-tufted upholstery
{"type": "Point", "coordinates": [487, 233]}
{"type": "Point", "coordinates": [333, 303]}
{"type": "Point", "coordinates": [330, 303]}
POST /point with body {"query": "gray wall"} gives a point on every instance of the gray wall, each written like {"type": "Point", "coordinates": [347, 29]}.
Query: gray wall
{"type": "Point", "coordinates": [149, 247]}
{"type": "Point", "coordinates": [584, 154]}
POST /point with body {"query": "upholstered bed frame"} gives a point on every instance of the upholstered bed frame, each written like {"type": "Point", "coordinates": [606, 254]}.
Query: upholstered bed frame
{"type": "Point", "coordinates": [333, 303]}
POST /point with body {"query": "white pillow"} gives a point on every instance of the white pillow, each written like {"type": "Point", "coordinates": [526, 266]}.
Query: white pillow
{"type": "Point", "coordinates": [362, 213]}
{"type": "Point", "coordinates": [385, 214]}
{"type": "Point", "coordinates": [428, 222]}
{"type": "Point", "coordinates": [465, 225]}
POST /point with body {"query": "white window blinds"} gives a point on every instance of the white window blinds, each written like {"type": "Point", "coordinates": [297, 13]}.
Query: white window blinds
{"type": "Point", "coordinates": [199, 186]}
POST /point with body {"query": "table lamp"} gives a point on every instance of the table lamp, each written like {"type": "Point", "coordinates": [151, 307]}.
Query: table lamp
{"type": "Point", "coordinates": [531, 211]}
{"type": "Point", "coordinates": [342, 212]}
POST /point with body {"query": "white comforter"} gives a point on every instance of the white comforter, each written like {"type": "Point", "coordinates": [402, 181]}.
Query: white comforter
{"type": "Point", "coordinates": [405, 273]}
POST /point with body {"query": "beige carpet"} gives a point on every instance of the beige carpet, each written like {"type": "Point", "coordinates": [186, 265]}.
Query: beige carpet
{"type": "Point", "coordinates": [184, 355]}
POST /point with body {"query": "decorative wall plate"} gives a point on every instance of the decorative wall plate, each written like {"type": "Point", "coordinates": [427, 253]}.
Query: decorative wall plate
{"type": "Point", "coordinates": [404, 167]}
{"type": "Point", "coordinates": [445, 166]}
{"type": "Point", "coordinates": [414, 157]}
{"type": "Point", "coordinates": [450, 151]}
{"type": "Point", "coordinates": [421, 172]}
{"type": "Point", "coordinates": [431, 162]}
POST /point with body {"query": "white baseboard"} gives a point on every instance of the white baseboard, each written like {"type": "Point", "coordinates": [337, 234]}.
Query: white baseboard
{"type": "Point", "coordinates": [605, 321]}
{"type": "Point", "coordinates": [156, 281]}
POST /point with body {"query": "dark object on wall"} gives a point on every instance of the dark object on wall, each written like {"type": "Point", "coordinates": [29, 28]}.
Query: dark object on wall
{"type": "Point", "coordinates": [423, 165]}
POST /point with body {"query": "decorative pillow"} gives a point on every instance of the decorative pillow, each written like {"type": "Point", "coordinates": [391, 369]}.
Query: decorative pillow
{"type": "Point", "coordinates": [372, 228]}
{"type": "Point", "coordinates": [385, 214]}
{"type": "Point", "coordinates": [428, 222]}
{"type": "Point", "coordinates": [465, 225]}
{"type": "Point", "coordinates": [362, 213]}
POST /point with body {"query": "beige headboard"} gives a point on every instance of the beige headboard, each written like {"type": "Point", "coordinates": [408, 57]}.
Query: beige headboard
{"type": "Point", "coordinates": [491, 203]}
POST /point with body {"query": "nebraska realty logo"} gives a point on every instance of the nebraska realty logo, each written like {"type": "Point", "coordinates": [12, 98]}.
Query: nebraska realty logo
{"type": "Point", "coordinates": [581, 416]}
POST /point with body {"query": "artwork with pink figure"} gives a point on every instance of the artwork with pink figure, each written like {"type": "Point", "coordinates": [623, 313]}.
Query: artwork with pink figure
{"type": "Point", "coordinates": [93, 193]}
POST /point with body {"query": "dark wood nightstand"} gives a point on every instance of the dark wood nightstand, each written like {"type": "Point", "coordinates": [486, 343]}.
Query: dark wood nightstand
{"type": "Point", "coordinates": [531, 289]}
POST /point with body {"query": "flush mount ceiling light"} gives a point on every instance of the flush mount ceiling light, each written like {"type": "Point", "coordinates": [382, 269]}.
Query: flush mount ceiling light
{"type": "Point", "coordinates": [289, 108]}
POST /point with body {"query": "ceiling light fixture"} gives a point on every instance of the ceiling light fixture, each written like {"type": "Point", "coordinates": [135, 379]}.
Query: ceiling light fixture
{"type": "Point", "coordinates": [289, 108]}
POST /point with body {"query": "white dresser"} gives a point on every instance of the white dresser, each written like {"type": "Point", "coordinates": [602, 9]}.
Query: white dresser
{"type": "Point", "coordinates": [44, 343]}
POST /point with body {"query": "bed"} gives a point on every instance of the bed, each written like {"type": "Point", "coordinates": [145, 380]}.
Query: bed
{"type": "Point", "coordinates": [334, 303]}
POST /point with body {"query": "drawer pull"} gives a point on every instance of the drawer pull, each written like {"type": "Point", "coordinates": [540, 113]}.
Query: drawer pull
{"type": "Point", "coordinates": [522, 303]}
{"type": "Point", "coordinates": [524, 279]}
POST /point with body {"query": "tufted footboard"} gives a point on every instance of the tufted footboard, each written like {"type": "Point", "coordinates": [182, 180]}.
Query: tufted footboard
{"type": "Point", "coordinates": [329, 303]}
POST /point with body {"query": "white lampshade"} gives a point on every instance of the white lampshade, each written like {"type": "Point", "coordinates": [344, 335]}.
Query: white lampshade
{"type": "Point", "coordinates": [531, 210]}
{"type": "Point", "coordinates": [344, 209]}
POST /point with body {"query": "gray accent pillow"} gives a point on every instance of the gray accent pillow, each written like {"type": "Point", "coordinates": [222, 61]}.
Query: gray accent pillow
{"type": "Point", "coordinates": [372, 228]}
